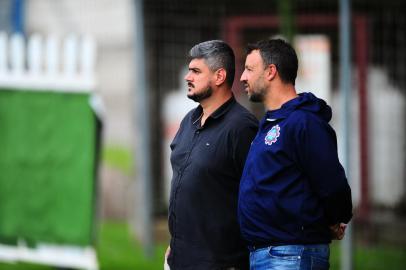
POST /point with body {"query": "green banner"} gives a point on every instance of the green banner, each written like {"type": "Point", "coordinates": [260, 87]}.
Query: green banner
{"type": "Point", "coordinates": [47, 164]}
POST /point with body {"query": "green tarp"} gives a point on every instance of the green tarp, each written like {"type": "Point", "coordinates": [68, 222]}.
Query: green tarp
{"type": "Point", "coordinates": [47, 165]}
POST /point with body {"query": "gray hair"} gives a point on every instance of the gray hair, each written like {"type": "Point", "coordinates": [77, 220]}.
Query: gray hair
{"type": "Point", "coordinates": [217, 54]}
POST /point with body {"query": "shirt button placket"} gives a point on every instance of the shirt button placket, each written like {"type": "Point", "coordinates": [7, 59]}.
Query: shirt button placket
{"type": "Point", "coordinates": [196, 135]}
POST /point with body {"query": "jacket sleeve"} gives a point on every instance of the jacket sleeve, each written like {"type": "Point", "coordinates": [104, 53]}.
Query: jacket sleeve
{"type": "Point", "coordinates": [318, 158]}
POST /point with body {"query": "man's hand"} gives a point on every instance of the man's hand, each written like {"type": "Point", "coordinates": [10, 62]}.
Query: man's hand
{"type": "Point", "coordinates": [168, 251]}
{"type": "Point", "coordinates": [338, 231]}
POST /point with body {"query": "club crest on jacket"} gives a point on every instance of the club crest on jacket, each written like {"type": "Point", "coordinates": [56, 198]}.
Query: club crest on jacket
{"type": "Point", "coordinates": [272, 135]}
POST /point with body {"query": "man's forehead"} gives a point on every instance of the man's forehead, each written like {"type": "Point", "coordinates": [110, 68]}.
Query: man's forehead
{"type": "Point", "coordinates": [197, 63]}
{"type": "Point", "coordinates": [254, 58]}
{"type": "Point", "coordinates": [254, 55]}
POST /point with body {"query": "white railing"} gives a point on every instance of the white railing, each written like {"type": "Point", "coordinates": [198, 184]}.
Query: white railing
{"type": "Point", "coordinates": [47, 64]}
{"type": "Point", "coordinates": [55, 255]}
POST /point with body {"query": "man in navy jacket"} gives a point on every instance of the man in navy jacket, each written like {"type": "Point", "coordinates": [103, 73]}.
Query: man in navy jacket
{"type": "Point", "coordinates": [294, 196]}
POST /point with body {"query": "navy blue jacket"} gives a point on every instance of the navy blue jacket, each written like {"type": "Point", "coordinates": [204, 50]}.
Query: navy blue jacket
{"type": "Point", "coordinates": [293, 185]}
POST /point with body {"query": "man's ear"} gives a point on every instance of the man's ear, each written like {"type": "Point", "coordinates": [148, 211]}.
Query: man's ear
{"type": "Point", "coordinates": [220, 76]}
{"type": "Point", "coordinates": [271, 72]}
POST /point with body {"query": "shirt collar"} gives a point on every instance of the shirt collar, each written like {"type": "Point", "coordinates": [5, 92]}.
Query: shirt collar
{"type": "Point", "coordinates": [197, 114]}
{"type": "Point", "coordinates": [223, 108]}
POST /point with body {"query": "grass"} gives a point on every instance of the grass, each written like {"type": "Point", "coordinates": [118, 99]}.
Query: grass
{"type": "Point", "coordinates": [118, 157]}
{"type": "Point", "coordinates": [371, 257]}
{"type": "Point", "coordinates": [117, 250]}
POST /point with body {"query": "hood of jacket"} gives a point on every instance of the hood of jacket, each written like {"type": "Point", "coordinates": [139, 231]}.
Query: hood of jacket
{"type": "Point", "coordinates": [306, 102]}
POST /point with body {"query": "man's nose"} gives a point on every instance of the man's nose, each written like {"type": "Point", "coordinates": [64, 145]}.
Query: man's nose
{"type": "Point", "coordinates": [243, 77]}
{"type": "Point", "coordinates": [187, 77]}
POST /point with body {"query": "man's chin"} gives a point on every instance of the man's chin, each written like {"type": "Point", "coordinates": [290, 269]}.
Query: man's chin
{"type": "Point", "coordinates": [255, 98]}
{"type": "Point", "coordinates": [195, 98]}
{"type": "Point", "coordinates": [201, 96]}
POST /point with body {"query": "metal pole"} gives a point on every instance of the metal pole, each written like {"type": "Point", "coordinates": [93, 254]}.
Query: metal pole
{"type": "Point", "coordinates": [361, 53]}
{"type": "Point", "coordinates": [17, 16]}
{"type": "Point", "coordinates": [286, 21]}
{"type": "Point", "coordinates": [345, 88]}
{"type": "Point", "coordinates": [143, 127]}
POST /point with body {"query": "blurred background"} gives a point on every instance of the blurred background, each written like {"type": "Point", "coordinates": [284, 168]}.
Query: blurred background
{"type": "Point", "coordinates": [84, 155]}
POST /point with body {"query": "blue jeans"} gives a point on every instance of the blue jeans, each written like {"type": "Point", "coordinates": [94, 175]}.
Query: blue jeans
{"type": "Point", "coordinates": [290, 257]}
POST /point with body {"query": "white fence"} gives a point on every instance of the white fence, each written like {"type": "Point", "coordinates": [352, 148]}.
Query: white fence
{"type": "Point", "coordinates": [47, 63]}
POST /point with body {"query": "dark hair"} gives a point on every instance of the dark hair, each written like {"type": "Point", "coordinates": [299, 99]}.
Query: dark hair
{"type": "Point", "coordinates": [217, 54]}
{"type": "Point", "coordinates": [281, 54]}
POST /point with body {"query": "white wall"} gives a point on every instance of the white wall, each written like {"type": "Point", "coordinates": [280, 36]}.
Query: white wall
{"type": "Point", "coordinates": [387, 130]}
{"type": "Point", "coordinates": [387, 136]}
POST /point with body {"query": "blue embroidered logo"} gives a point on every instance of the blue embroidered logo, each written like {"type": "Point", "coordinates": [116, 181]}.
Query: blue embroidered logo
{"type": "Point", "coordinates": [272, 135]}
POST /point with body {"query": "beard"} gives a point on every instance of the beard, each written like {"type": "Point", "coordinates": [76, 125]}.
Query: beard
{"type": "Point", "coordinates": [258, 90]}
{"type": "Point", "coordinates": [258, 93]}
{"type": "Point", "coordinates": [257, 97]}
{"type": "Point", "coordinates": [205, 93]}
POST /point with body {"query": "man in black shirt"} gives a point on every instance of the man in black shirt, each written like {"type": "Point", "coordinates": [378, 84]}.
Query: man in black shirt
{"type": "Point", "coordinates": [208, 155]}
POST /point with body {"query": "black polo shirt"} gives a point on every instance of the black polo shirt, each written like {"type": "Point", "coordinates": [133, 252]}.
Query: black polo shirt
{"type": "Point", "coordinates": [207, 162]}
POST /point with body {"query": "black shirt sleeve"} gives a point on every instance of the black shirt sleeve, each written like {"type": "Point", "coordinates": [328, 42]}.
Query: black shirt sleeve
{"type": "Point", "coordinates": [242, 138]}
